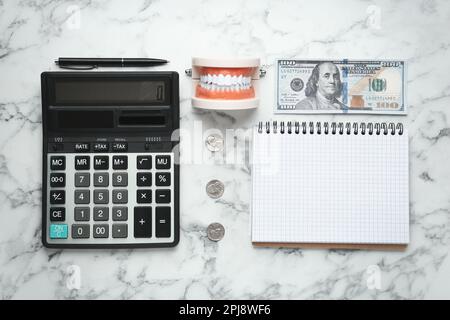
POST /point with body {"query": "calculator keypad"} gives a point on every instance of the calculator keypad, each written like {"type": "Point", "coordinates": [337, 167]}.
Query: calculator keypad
{"type": "Point", "coordinates": [99, 198]}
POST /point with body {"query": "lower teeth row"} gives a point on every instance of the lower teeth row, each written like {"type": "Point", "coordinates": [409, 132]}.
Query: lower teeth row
{"type": "Point", "coordinates": [224, 88]}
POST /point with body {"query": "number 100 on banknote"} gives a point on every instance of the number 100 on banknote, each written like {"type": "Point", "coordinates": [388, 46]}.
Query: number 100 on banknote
{"type": "Point", "coordinates": [340, 86]}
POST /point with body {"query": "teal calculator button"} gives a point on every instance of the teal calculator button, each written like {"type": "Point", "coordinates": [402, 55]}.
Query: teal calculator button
{"type": "Point", "coordinates": [58, 231]}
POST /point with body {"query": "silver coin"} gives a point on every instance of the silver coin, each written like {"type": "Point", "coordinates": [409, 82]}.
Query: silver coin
{"type": "Point", "coordinates": [214, 143]}
{"type": "Point", "coordinates": [215, 231]}
{"type": "Point", "coordinates": [215, 189]}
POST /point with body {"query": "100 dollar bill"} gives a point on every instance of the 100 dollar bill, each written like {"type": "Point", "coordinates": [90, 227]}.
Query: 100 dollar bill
{"type": "Point", "coordinates": [340, 86]}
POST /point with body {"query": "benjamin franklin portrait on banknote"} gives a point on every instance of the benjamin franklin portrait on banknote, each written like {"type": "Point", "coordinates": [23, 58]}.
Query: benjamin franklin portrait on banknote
{"type": "Point", "coordinates": [323, 88]}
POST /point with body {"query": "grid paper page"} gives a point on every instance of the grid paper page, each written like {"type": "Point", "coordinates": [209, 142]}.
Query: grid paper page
{"type": "Point", "coordinates": [317, 188]}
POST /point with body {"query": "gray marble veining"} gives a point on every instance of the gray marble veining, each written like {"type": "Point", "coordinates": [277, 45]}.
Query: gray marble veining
{"type": "Point", "coordinates": [34, 33]}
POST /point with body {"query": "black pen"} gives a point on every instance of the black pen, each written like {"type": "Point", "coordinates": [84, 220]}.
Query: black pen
{"type": "Point", "coordinates": [90, 63]}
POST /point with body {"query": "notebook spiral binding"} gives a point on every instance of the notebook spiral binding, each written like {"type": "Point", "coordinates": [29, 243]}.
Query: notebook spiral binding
{"type": "Point", "coordinates": [341, 128]}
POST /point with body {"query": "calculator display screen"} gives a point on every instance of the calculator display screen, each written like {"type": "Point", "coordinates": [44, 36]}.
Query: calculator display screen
{"type": "Point", "coordinates": [108, 91]}
{"type": "Point", "coordinates": [85, 119]}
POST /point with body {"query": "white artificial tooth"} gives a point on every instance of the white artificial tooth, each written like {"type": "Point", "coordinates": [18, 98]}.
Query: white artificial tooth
{"type": "Point", "coordinates": [227, 80]}
{"type": "Point", "coordinates": [236, 87]}
{"type": "Point", "coordinates": [220, 79]}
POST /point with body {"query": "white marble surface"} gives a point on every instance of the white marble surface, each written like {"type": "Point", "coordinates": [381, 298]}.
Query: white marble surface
{"type": "Point", "coordinates": [33, 33]}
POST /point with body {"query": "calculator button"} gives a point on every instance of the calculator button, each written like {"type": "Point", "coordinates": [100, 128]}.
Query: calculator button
{"type": "Point", "coordinates": [120, 196]}
{"type": "Point", "coordinates": [101, 230]}
{"type": "Point", "coordinates": [58, 231]}
{"type": "Point", "coordinates": [82, 179]}
{"type": "Point", "coordinates": [101, 213]}
{"type": "Point", "coordinates": [120, 162]}
{"type": "Point", "coordinates": [57, 214]}
{"type": "Point", "coordinates": [120, 230]}
{"type": "Point", "coordinates": [82, 163]}
{"type": "Point", "coordinates": [144, 179]}
{"type": "Point", "coordinates": [162, 162]}
{"type": "Point", "coordinates": [120, 179]}
{"type": "Point", "coordinates": [80, 231]}
{"type": "Point", "coordinates": [81, 147]}
{"type": "Point", "coordinates": [57, 180]}
{"type": "Point", "coordinates": [58, 163]}
{"type": "Point", "coordinates": [101, 146]}
{"type": "Point", "coordinates": [162, 223]}
{"type": "Point", "coordinates": [144, 162]}
{"type": "Point", "coordinates": [101, 196]}
{"type": "Point", "coordinates": [162, 179]}
{"type": "Point", "coordinates": [57, 197]}
{"type": "Point", "coordinates": [142, 222]}
{"type": "Point", "coordinates": [162, 196]}
{"type": "Point", "coordinates": [120, 146]}
{"type": "Point", "coordinates": [82, 197]}
{"type": "Point", "coordinates": [120, 213]}
{"type": "Point", "coordinates": [101, 162]}
{"type": "Point", "coordinates": [82, 214]}
{"type": "Point", "coordinates": [101, 179]}
{"type": "Point", "coordinates": [144, 196]}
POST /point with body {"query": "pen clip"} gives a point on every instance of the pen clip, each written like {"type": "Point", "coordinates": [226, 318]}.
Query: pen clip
{"type": "Point", "coordinates": [87, 67]}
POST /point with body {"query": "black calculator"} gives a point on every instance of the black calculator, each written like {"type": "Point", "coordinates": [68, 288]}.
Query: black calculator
{"type": "Point", "coordinates": [110, 159]}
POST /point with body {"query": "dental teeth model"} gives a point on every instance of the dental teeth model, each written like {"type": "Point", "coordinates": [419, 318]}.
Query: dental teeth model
{"type": "Point", "coordinates": [225, 84]}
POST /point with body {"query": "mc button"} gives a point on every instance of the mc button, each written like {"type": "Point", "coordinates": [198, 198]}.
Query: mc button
{"type": "Point", "coordinates": [58, 163]}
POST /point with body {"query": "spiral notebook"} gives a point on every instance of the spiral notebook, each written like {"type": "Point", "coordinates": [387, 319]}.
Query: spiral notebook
{"type": "Point", "coordinates": [330, 185]}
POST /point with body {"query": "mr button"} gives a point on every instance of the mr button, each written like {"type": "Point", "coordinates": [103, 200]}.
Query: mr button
{"type": "Point", "coordinates": [82, 163]}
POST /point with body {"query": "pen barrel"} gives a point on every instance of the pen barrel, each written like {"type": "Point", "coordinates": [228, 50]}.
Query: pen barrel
{"type": "Point", "coordinates": [110, 62]}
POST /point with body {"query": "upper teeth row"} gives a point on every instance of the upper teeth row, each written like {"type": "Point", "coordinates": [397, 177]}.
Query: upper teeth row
{"type": "Point", "coordinates": [227, 80]}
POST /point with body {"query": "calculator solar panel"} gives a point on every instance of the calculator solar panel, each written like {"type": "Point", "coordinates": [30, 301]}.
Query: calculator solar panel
{"type": "Point", "coordinates": [110, 173]}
